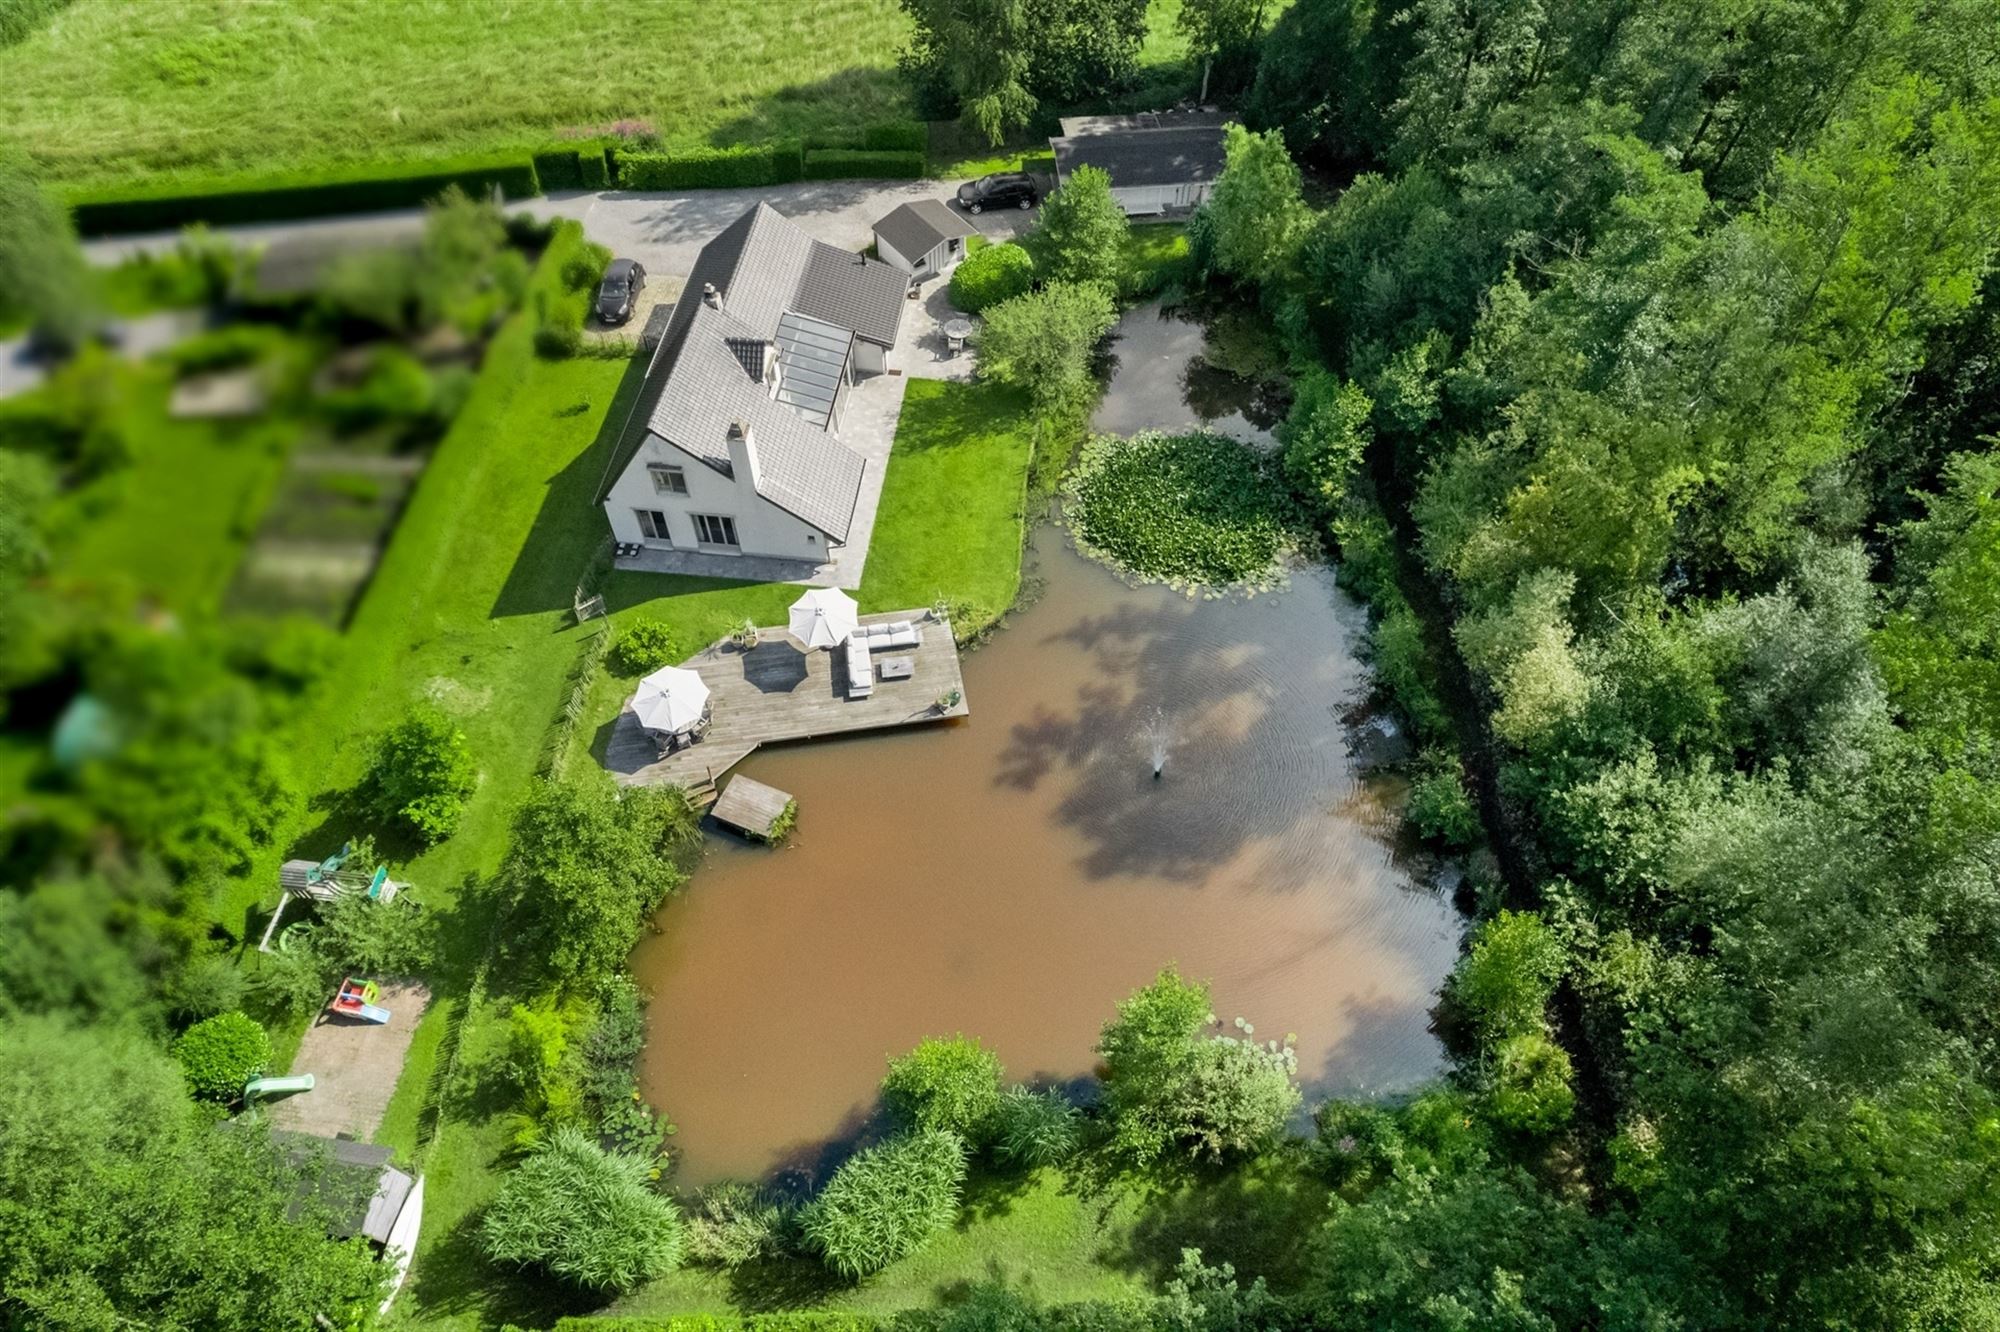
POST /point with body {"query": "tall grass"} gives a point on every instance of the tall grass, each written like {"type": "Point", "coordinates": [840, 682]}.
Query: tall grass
{"type": "Point", "coordinates": [108, 90]}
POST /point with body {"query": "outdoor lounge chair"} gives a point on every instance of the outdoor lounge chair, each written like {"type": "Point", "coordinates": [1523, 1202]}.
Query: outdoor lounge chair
{"type": "Point", "coordinates": [860, 667]}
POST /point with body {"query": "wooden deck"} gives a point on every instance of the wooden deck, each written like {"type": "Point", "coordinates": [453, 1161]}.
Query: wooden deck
{"type": "Point", "coordinates": [775, 692]}
{"type": "Point", "coordinates": [750, 807]}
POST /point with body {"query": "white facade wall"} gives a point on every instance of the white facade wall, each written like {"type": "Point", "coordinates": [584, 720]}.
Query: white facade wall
{"type": "Point", "coordinates": [1148, 200]}
{"type": "Point", "coordinates": [762, 528]}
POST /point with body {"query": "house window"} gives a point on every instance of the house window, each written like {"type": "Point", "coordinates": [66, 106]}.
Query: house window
{"type": "Point", "coordinates": [653, 524]}
{"type": "Point", "coordinates": [714, 529]}
{"type": "Point", "coordinates": [668, 479]}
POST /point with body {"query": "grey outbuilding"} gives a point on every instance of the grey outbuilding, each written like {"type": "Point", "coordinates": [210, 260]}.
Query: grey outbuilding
{"type": "Point", "coordinates": [924, 239]}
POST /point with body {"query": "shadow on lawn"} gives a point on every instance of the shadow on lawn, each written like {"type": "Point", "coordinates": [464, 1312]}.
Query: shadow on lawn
{"type": "Point", "coordinates": [570, 524]}
{"type": "Point", "coordinates": [1262, 1217]}
{"type": "Point", "coordinates": [456, 1278]}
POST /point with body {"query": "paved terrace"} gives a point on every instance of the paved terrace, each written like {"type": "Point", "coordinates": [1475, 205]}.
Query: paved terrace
{"type": "Point", "coordinates": [775, 692]}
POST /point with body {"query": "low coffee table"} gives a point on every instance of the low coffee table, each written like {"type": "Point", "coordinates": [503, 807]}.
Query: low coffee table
{"type": "Point", "coordinates": [898, 668]}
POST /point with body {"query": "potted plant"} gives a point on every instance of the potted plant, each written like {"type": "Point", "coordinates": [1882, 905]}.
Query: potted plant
{"type": "Point", "coordinates": [948, 701]}
{"type": "Point", "coordinates": [745, 635]}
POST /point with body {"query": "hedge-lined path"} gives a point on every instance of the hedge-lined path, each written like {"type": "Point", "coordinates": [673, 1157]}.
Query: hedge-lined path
{"type": "Point", "coordinates": [662, 230]}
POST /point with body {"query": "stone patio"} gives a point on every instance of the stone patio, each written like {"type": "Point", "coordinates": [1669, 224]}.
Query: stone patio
{"type": "Point", "coordinates": [355, 1066]}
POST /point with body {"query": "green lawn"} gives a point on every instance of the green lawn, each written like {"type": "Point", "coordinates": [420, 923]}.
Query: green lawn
{"type": "Point", "coordinates": [109, 89]}
{"type": "Point", "coordinates": [171, 525]}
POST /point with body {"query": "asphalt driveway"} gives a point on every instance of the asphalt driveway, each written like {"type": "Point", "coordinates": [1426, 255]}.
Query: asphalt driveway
{"type": "Point", "coordinates": [662, 230]}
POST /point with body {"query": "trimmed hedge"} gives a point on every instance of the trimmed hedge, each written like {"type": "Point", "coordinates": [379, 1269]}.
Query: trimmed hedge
{"type": "Point", "coordinates": [279, 198]}
{"type": "Point", "coordinates": [804, 1320]}
{"type": "Point", "coordinates": [862, 164]}
{"type": "Point", "coordinates": [567, 168]}
{"type": "Point", "coordinates": [905, 136]}
{"type": "Point", "coordinates": [713, 168]}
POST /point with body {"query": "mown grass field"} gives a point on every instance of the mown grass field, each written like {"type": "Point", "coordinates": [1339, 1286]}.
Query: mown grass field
{"type": "Point", "coordinates": [108, 89]}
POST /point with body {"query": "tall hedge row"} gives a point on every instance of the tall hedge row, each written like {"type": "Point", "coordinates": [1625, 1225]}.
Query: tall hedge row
{"type": "Point", "coordinates": [713, 168]}
{"type": "Point", "coordinates": [862, 164]}
{"type": "Point", "coordinates": [572, 168]}
{"type": "Point", "coordinates": [800, 1320]}
{"type": "Point", "coordinates": [280, 198]}
{"type": "Point", "coordinates": [907, 136]}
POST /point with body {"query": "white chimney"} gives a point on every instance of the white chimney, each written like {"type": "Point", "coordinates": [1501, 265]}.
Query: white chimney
{"type": "Point", "coordinates": [743, 455]}
{"type": "Point", "coordinates": [710, 296]}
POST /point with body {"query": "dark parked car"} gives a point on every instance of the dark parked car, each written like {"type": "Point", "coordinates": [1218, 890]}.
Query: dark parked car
{"type": "Point", "coordinates": [623, 281]}
{"type": "Point", "coordinates": [999, 190]}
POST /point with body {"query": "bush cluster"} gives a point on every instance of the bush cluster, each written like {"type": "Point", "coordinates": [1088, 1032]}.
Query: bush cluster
{"type": "Point", "coordinates": [863, 164]}
{"type": "Point", "coordinates": [422, 774]}
{"type": "Point", "coordinates": [644, 646]}
{"type": "Point", "coordinates": [991, 274]}
{"type": "Point", "coordinates": [713, 168]}
{"type": "Point", "coordinates": [220, 1054]}
{"type": "Point", "coordinates": [584, 1215]}
{"type": "Point", "coordinates": [953, 1085]}
{"type": "Point", "coordinates": [1191, 508]}
{"type": "Point", "coordinates": [1440, 809]}
{"type": "Point", "coordinates": [886, 1201]}
{"type": "Point", "coordinates": [300, 194]}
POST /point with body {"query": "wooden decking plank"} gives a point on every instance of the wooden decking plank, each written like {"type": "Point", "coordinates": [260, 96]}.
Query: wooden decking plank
{"type": "Point", "coordinates": [750, 806]}
{"type": "Point", "coordinates": [775, 692]}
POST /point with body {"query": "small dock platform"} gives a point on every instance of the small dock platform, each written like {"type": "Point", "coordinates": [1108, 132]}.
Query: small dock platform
{"type": "Point", "coordinates": [750, 807]}
{"type": "Point", "coordinates": [774, 692]}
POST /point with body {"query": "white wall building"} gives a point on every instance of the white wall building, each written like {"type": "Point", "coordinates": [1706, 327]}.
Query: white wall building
{"type": "Point", "coordinates": [925, 239]}
{"type": "Point", "coordinates": [1159, 162]}
{"type": "Point", "coordinates": [735, 447]}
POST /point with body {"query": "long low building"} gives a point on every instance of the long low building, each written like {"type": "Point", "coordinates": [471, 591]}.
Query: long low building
{"type": "Point", "coordinates": [1159, 162]}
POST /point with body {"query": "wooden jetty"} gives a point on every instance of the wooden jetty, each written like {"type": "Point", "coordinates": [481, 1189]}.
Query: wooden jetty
{"type": "Point", "coordinates": [775, 692]}
{"type": "Point", "coordinates": [750, 807]}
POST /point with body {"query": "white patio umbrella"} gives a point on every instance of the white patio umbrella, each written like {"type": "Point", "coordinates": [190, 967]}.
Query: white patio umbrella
{"type": "Point", "coordinates": [824, 617]}
{"type": "Point", "coordinates": [670, 699]}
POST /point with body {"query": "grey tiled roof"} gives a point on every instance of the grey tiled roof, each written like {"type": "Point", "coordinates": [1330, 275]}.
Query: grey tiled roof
{"type": "Point", "coordinates": [1143, 157]}
{"type": "Point", "coordinates": [915, 229]}
{"type": "Point", "coordinates": [801, 468]}
{"type": "Point", "coordinates": [865, 295]}
{"type": "Point", "coordinates": [701, 379]}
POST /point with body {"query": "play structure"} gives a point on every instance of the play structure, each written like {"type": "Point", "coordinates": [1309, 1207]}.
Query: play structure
{"type": "Point", "coordinates": [357, 999]}
{"type": "Point", "coordinates": [258, 1089]}
{"type": "Point", "coordinates": [323, 881]}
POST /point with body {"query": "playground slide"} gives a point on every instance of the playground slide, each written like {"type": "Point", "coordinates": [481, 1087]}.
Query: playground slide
{"type": "Point", "coordinates": [368, 1012]}
{"type": "Point", "coordinates": [260, 1087]}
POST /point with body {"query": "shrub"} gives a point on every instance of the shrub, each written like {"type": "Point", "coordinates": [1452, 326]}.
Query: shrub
{"type": "Point", "coordinates": [1083, 233]}
{"type": "Point", "coordinates": [991, 274]}
{"type": "Point", "coordinates": [1191, 508]}
{"type": "Point", "coordinates": [644, 646]}
{"type": "Point", "coordinates": [396, 388]}
{"type": "Point", "coordinates": [1355, 1147]}
{"type": "Point", "coordinates": [422, 774]}
{"type": "Point", "coordinates": [583, 270]}
{"type": "Point", "coordinates": [952, 1085]}
{"type": "Point", "coordinates": [1504, 981]}
{"type": "Point", "coordinates": [1403, 663]}
{"type": "Point", "coordinates": [733, 1223]}
{"type": "Point", "coordinates": [219, 1054]}
{"type": "Point", "coordinates": [1032, 1128]}
{"type": "Point", "coordinates": [862, 164]}
{"type": "Point", "coordinates": [1440, 809]}
{"type": "Point", "coordinates": [713, 168]}
{"type": "Point", "coordinates": [910, 136]}
{"type": "Point", "coordinates": [593, 172]}
{"type": "Point", "coordinates": [1324, 437]}
{"type": "Point", "coordinates": [1166, 1083]}
{"type": "Point", "coordinates": [558, 341]}
{"type": "Point", "coordinates": [568, 167]}
{"type": "Point", "coordinates": [1529, 1090]}
{"type": "Point", "coordinates": [273, 198]}
{"type": "Point", "coordinates": [886, 1201]}
{"type": "Point", "coordinates": [221, 349]}
{"type": "Point", "coordinates": [583, 1215]}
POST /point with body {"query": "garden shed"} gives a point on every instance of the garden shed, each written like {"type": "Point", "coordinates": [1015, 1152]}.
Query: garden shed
{"type": "Point", "coordinates": [1159, 162]}
{"type": "Point", "coordinates": [924, 238]}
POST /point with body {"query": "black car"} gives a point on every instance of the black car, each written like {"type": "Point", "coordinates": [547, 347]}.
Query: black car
{"type": "Point", "coordinates": [999, 190]}
{"type": "Point", "coordinates": [623, 281]}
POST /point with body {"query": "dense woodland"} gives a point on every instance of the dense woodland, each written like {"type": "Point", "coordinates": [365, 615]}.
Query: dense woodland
{"type": "Point", "coordinates": [1648, 383]}
{"type": "Point", "coordinates": [1679, 513]}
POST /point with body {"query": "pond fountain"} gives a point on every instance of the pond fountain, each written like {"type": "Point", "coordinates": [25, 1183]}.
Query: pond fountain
{"type": "Point", "coordinates": [1158, 740]}
{"type": "Point", "coordinates": [1015, 875]}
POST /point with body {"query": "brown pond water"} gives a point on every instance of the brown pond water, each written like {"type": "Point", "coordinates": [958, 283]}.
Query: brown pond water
{"type": "Point", "coordinates": [1014, 875]}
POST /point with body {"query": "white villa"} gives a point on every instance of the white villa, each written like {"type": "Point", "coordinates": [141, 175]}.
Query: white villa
{"type": "Point", "coordinates": [735, 447]}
